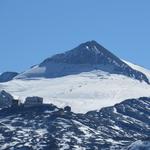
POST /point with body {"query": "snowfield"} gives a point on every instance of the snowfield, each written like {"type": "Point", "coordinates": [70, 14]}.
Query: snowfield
{"type": "Point", "coordinates": [83, 92]}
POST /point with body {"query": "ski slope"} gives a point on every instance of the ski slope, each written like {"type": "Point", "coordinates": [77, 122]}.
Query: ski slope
{"type": "Point", "coordinates": [83, 92]}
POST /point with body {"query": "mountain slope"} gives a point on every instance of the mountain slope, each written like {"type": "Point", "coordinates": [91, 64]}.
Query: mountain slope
{"type": "Point", "coordinates": [83, 80]}
{"type": "Point", "coordinates": [84, 58]}
{"type": "Point", "coordinates": [47, 127]}
{"type": "Point", "coordinates": [139, 68]}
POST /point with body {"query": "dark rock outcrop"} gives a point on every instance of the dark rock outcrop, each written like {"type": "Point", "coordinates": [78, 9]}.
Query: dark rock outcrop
{"type": "Point", "coordinates": [5, 99]}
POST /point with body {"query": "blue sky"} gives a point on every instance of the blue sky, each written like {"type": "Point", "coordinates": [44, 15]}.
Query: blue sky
{"type": "Point", "coordinates": [32, 30]}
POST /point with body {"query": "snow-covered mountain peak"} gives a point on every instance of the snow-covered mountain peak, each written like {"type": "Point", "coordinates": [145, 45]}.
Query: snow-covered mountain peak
{"type": "Point", "coordinates": [66, 79]}
{"type": "Point", "coordinates": [86, 57]}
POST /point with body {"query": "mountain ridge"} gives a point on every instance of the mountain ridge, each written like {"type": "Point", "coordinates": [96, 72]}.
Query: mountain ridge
{"type": "Point", "coordinates": [114, 127]}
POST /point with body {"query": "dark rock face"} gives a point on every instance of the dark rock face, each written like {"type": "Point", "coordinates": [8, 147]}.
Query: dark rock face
{"type": "Point", "coordinates": [94, 56]}
{"type": "Point", "coordinates": [5, 99]}
{"type": "Point", "coordinates": [33, 101]}
{"type": "Point", "coordinates": [67, 109]}
{"type": "Point", "coordinates": [47, 127]}
{"type": "Point", "coordinates": [7, 76]}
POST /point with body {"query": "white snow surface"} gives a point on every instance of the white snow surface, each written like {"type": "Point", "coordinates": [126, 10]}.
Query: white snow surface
{"type": "Point", "coordinates": [84, 91]}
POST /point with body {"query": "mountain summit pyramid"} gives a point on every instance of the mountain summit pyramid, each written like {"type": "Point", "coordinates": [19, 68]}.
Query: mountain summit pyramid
{"type": "Point", "coordinates": [86, 57]}
{"type": "Point", "coordinates": [87, 53]}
